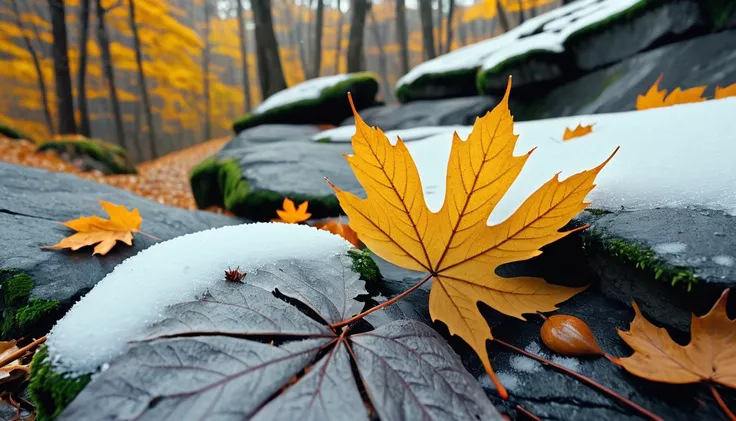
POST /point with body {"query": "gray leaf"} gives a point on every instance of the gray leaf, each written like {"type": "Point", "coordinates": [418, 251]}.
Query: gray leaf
{"type": "Point", "coordinates": [327, 393]}
{"type": "Point", "coordinates": [329, 288]}
{"type": "Point", "coordinates": [410, 373]}
{"type": "Point", "coordinates": [213, 378]}
{"type": "Point", "coordinates": [400, 310]}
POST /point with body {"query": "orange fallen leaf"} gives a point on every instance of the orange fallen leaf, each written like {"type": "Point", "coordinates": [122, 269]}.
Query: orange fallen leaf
{"type": "Point", "coordinates": [726, 92]}
{"type": "Point", "coordinates": [579, 131]}
{"type": "Point", "coordinates": [292, 215]}
{"type": "Point", "coordinates": [656, 98]}
{"type": "Point", "coordinates": [14, 369]}
{"type": "Point", "coordinates": [456, 245]}
{"type": "Point", "coordinates": [343, 230]}
{"type": "Point", "coordinates": [103, 232]}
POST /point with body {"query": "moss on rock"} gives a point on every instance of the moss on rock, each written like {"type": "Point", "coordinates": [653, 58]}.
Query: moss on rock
{"type": "Point", "coordinates": [12, 133]}
{"type": "Point", "coordinates": [330, 107]}
{"type": "Point", "coordinates": [22, 315]}
{"type": "Point", "coordinates": [51, 391]}
{"type": "Point", "coordinates": [457, 83]}
{"type": "Point", "coordinates": [113, 157]}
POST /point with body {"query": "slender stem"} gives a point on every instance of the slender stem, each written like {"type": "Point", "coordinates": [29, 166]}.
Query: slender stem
{"type": "Point", "coordinates": [19, 353]}
{"type": "Point", "coordinates": [148, 235]}
{"type": "Point", "coordinates": [382, 305]}
{"type": "Point", "coordinates": [584, 379]}
{"type": "Point", "coordinates": [527, 413]}
{"type": "Point", "coordinates": [721, 403]}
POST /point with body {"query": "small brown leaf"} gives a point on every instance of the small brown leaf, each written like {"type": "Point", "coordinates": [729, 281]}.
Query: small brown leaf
{"type": "Point", "coordinates": [14, 369]}
{"type": "Point", "coordinates": [570, 336]}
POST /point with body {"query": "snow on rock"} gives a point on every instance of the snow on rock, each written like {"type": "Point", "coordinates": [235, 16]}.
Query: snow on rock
{"type": "Point", "coordinates": [546, 32]}
{"type": "Point", "coordinates": [345, 133]}
{"type": "Point", "coordinates": [310, 89]}
{"type": "Point", "coordinates": [723, 260]}
{"type": "Point", "coordinates": [670, 248]}
{"type": "Point", "coordinates": [670, 157]}
{"type": "Point", "coordinates": [136, 292]}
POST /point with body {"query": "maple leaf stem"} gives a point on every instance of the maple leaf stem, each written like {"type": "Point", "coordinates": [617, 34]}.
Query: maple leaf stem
{"type": "Point", "coordinates": [584, 379]}
{"type": "Point", "coordinates": [721, 403]}
{"type": "Point", "coordinates": [148, 235]}
{"type": "Point", "coordinates": [382, 305]}
{"type": "Point", "coordinates": [527, 413]}
{"type": "Point", "coordinates": [19, 353]}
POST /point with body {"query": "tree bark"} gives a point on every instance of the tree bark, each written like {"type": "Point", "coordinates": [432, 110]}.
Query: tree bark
{"type": "Point", "coordinates": [244, 53]}
{"type": "Point", "coordinates": [64, 100]}
{"type": "Point", "coordinates": [450, 14]}
{"type": "Point", "coordinates": [440, 15]}
{"type": "Point", "coordinates": [425, 15]}
{"type": "Point", "coordinates": [142, 85]}
{"type": "Point", "coordinates": [270, 72]}
{"type": "Point", "coordinates": [382, 61]}
{"type": "Point", "coordinates": [206, 71]}
{"type": "Point", "coordinates": [402, 36]}
{"type": "Point", "coordinates": [355, 58]}
{"type": "Point", "coordinates": [104, 41]}
{"type": "Point", "coordinates": [37, 65]}
{"type": "Point", "coordinates": [338, 47]}
{"type": "Point", "coordinates": [298, 38]}
{"type": "Point", "coordinates": [462, 32]}
{"type": "Point", "coordinates": [521, 11]}
{"type": "Point", "coordinates": [503, 19]}
{"type": "Point", "coordinates": [319, 25]}
{"type": "Point", "coordinates": [84, 125]}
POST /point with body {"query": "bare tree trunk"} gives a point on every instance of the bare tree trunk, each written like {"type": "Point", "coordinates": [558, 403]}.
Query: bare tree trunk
{"type": "Point", "coordinates": [318, 39]}
{"type": "Point", "coordinates": [355, 58]}
{"type": "Point", "coordinates": [299, 39]}
{"type": "Point", "coordinates": [84, 125]}
{"type": "Point", "coordinates": [450, 14]}
{"type": "Point", "coordinates": [521, 11]}
{"type": "Point", "coordinates": [338, 47]}
{"type": "Point", "coordinates": [425, 15]}
{"type": "Point", "coordinates": [503, 19]}
{"type": "Point", "coordinates": [402, 35]}
{"type": "Point", "coordinates": [462, 32]}
{"type": "Point", "coordinates": [37, 65]}
{"type": "Point", "coordinates": [244, 53]}
{"type": "Point", "coordinates": [206, 71]}
{"type": "Point", "coordinates": [104, 41]}
{"type": "Point", "coordinates": [440, 15]}
{"type": "Point", "coordinates": [270, 72]}
{"type": "Point", "coordinates": [382, 62]}
{"type": "Point", "coordinates": [142, 85]}
{"type": "Point", "coordinates": [64, 100]}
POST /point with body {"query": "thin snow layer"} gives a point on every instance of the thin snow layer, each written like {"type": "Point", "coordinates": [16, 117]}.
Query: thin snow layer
{"type": "Point", "coordinates": [472, 56]}
{"type": "Point", "coordinates": [670, 248]}
{"type": "Point", "coordinates": [555, 32]}
{"type": "Point", "coordinates": [310, 89]}
{"type": "Point", "coordinates": [137, 291]}
{"type": "Point", "coordinates": [723, 260]}
{"type": "Point", "coordinates": [670, 157]}
{"type": "Point", "coordinates": [345, 133]}
{"type": "Point", "coordinates": [508, 380]}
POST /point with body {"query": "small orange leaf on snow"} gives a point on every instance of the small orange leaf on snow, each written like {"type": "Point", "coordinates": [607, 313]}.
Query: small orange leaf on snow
{"type": "Point", "coordinates": [656, 98]}
{"type": "Point", "coordinates": [292, 215]}
{"type": "Point", "coordinates": [343, 230]}
{"type": "Point", "coordinates": [726, 92]}
{"type": "Point", "coordinates": [577, 132]}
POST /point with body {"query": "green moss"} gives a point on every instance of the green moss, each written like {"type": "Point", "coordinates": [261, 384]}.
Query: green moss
{"type": "Point", "coordinates": [455, 83]}
{"type": "Point", "coordinates": [597, 212]}
{"type": "Point", "coordinates": [261, 205]}
{"type": "Point", "coordinates": [502, 69]}
{"type": "Point", "coordinates": [13, 133]}
{"type": "Point", "coordinates": [115, 158]}
{"type": "Point", "coordinates": [51, 391]}
{"type": "Point", "coordinates": [719, 12]}
{"type": "Point", "coordinates": [324, 140]}
{"type": "Point", "coordinates": [331, 107]}
{"type": "Point", "coordinates": [20, 314]}
{"type": "Point", "coordinates": [645, 259]}
{"type": "Point", "coordinates": [364, 264]}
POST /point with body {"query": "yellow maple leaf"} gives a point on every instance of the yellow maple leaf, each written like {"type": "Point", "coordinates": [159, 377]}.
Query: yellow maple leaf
{"type": "Point", "coordinates": [578, 131]}
{"type": "Point", "coordinates": [103, 232]}
{"type": "Point", "coordinates": [292, 215]}
{"type": "Point", "coordinates": [726, 92]}
{"type": "Point", "coordinates": [656, 98]}
{"type": "Point", "coordinates": [456, 245]}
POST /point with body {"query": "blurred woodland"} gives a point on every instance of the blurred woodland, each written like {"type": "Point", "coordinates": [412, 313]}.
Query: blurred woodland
{"type": "Point", "coordinates": [155, 76]}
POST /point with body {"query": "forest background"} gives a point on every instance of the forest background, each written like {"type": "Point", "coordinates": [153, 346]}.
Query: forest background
{"type": "Point", "coordinates": [155, 76]}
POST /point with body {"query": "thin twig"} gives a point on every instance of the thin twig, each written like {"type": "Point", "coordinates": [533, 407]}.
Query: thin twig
{"type": "Point", "coordinates": [19, 353]}
{"type": "Point", "coordinates": [721, 403]}
{"type": "Point", "coordinates": [148, 235]}
{"type": "Point", "coordinates": [382, 305]}
{"type": "Point", "coordinates": [527, 413]}
{"type": "Point", "coordinates": [584, 379]}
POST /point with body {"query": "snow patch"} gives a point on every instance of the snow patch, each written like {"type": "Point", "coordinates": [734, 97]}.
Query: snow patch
{"type": "Point", "coordinates": [723, 260]}
{"type": "Point", "coordinates": [670, 248]}
{"type": "Point", "coordinates": [569, 363]}
{"type": "Point", "coordinates": [135, 294]}
{"type": "Point", "coordinates": [310, 89]}
{"type": "Point", "coordinates": [508, 380]}
{"type": "Point", "coordinates": [345, 133]}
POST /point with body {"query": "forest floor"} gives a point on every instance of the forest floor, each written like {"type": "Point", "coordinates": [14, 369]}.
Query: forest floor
{"type": "Point", "coordinates": [164, 180]}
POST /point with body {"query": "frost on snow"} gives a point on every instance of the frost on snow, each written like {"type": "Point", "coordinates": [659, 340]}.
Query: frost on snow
{"type": "Point", "coordinates": [136, 292]}
{"type": "Point", "coordinates": [670, 157]}
{"type": "Point", "coordinates": [546, 32]}
{"type": "Point", "coordinates": [310, 89]}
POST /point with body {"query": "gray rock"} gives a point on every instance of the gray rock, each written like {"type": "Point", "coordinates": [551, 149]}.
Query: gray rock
{"type": "Point", "coordinates": [693, 249]}
{"type": "Point", "coordinates": [33, 202]}
{"type": "Point", "coordinates": [444, 112]}
{"type": "Point", "coordinates": [708, 60]}
{"type": "Point", "coordinates": [268, 133]}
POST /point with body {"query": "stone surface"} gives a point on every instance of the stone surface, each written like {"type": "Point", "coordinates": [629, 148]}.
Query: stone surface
{"type": "Point", "coordinates": [445, 112]}
{"type": "Point", "coordinates": [268, 133]}
{"type": "Point", "coordinates": [33, 202]}
{"type": "Point", "coordinates": [701, 61]}
{"type": "Point", "coordinates": [679, 242]}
